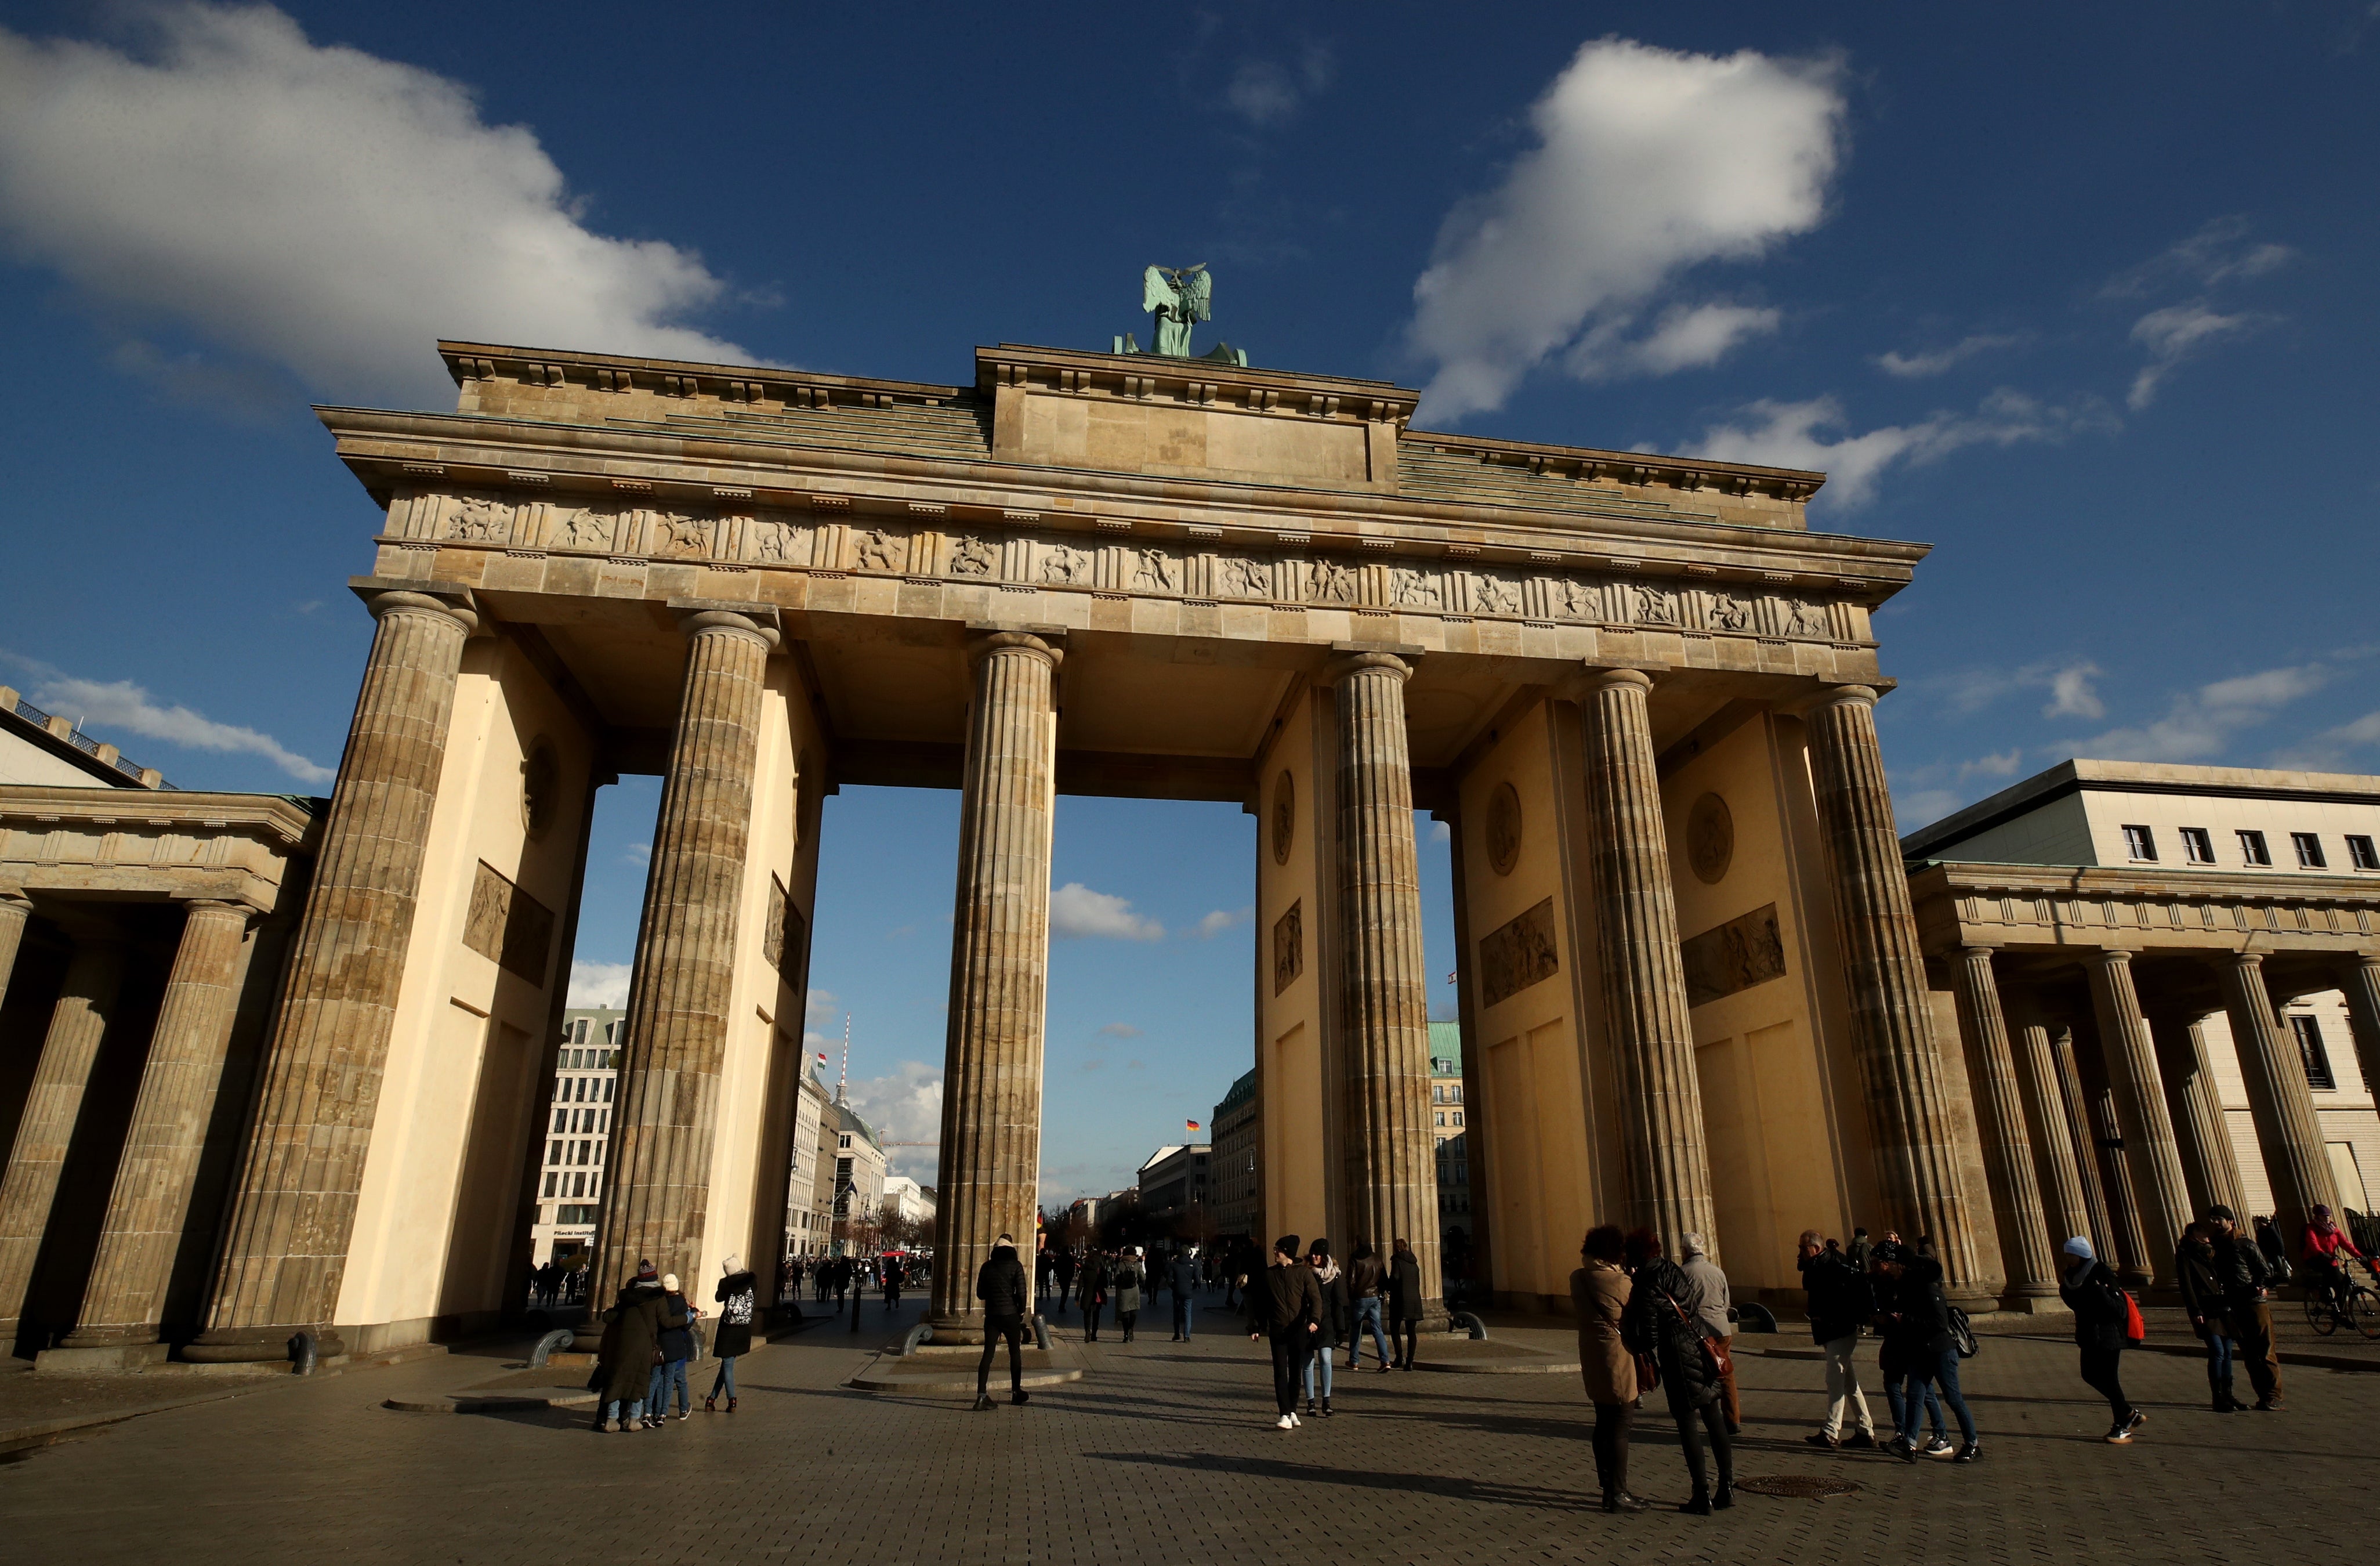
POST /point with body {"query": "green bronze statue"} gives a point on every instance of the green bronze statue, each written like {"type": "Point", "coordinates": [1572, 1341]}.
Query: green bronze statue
{"type": "Point", "coordinates": [1177, 298]}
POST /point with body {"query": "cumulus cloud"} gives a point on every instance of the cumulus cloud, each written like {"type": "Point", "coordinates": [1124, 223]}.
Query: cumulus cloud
{"type": "Point", "coordinates": [1076, 910]}
{"type": "Point", "coordinates": [1119, 1030]}
{"type": "Point", "coordinates": [2174, 333]}
{"type": "Point", "coordinates": [2333, 750]}
{"type": "Point", "coordinates": [1911, 367]}
{"type": "Point", "coordinates": [2068, 681]}
{"type": "Point", "coordinates": [1647, 162]}
{"type": "Point", "coordinates": [313, 206]}
{"type": "Point", "coordinates": [1221, 919]}
{"type": "Point", "coordinates": [2071, 693]}
{"type": "Point", "coordinates": [1915, 807]}
{"type": "Point", "coordinates": [905, 1104]}
{"type": "Point", "coordinates": [1266, 93]}
{"type": "Point", "coordinates": [599, 984]}
{"type": "Point", "coordinates": [1799, 436]}
{"type": "Point", "coordinates": [2201, 724]}
{"type": "Point", "coordinates": [122, 705]}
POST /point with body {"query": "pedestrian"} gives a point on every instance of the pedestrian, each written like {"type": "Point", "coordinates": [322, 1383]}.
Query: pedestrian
{"type": "Point", "coordinates": [1598, 1293]}
{"type": "Point", "coordinates": [1892, 1364]}
{"type": "Point", "coordinates": [737, 1294]}
{"type": "Point", "coordinates": [1859, 1248]}
{"type": "Point", "coordinates": [1338, 1321]}
{"type": "Point", "coordinates": [1924, 1351]}
{"type": "Point", "coordinates": [2275, 1252]}
{"type": "Point", "coordinates": [1091, 1294]}
{"type": "Point", "coordinates": [1286, 1306]}
{"type": "Point", "coordinates": [1839, 1302]}
{"type": "Point", "coordinates": [1714, 1311]}
{"type": "Point", "coordinates": [1182, 1274]}
{"type": "Point", "coordinates": [1367, 1286]}
{"type": "Point", "coordinates": [2325, 1248]}
{"type": "Point", "coordinates": [1066, 1268]}
{"type": "Point", "coordinates": [1045, 1270]}
{"type": "Point", "coordinates": [1404, 1302]}
{"type": "Point", "coordinates": [676, 1348]}
{"type": "Point", "coordinates": [632, 1330]}
{"type": "Point", "coordinates": [1659, 1325]}
{"type": "Point", "coordinates": [893, 1279]}
{"type": "Point", "coordinates": [1125, 1288]}
{"type": "Point", "coordinates": [2102, 1316]}
{"type": "Point", "coordinates": [1235, 1278]}
{"type": "Point", "coordinates": [1000, 1284]}
{"type": "Point", "coordinates": [2245, 1272]}
{"type": "Point", "coordinates": [2201, 1280]}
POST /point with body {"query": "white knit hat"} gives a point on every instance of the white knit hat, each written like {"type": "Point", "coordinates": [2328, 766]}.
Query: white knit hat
{"type": "Point", "coordinates": [729, 1264]}
{"type": "Point", "coordinates": [669, 1282]}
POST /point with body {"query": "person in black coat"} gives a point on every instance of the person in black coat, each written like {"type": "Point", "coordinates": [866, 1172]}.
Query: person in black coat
{"type": "Point", "coordinates": [2102, 1321]}
{"type": "Point", "coordinates": [737, 1295]}
{"type": "Point", "coordinates": [1000, 1284]}
{"type": "Point", "coordinates": [1659, 1325]}
{"type": "Point", "coordinates": [1338, 1317]}
{"type": "Point", "coordinates": [1923, 1351]}
{"type": "Point", "coordinates": [1182, 1274]}
{"type": "Point", "coordinates": [1404, 1302]}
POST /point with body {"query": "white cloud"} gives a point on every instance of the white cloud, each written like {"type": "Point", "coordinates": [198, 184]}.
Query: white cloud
{"type": "Point", "coordinates": [1221, 919]}
{"type": "Point", "coordinates": [1909, 367]}
{"type": "Point", "coordinates": [2201, 724]}
{"type": "Point", "coordinates": [1266, 93]}
{"type": "Point", "coordinates": [2173, 334]}
{"type": "Point", "coordinates": [1912, 808]}
{"type": "Point", "coordinates": [120, 704]}
{"type": "Point", "coordinates": [1648, 162]}
{"type": "Point", "coordinates": [599, 984]}
{"type": "Point", "coordinates": [820, 1004]}
{"type": "Point", "coordinates": [1999, 764]}
{"type": "Point", "coordinates": [1791, 435]}
{"type": "Point", "coordinates": [1075, 909]}
{"type": "Point", "coordinates": [315, 206]}
{"type": "Point", "coordinates": [2219, 253]}
{"type": "Point", "coordinates": [905, 1105]}
{"type": "Point", "coordinates": [2070, 694]}
{"type": "Point", "coordinates": [2333, 750]}
{"type": "Point", "coordinates": [1442, 831]}
{"type": "Point", "coordinates": [1686, 337]}
{"type": "Point", "coordinates": [637, 854]}
{"type": "Point", "coordinates": [1119, 1030]}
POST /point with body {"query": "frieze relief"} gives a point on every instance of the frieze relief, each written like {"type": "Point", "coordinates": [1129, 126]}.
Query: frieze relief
{"type": "Point", "coordinates": [476, 519]}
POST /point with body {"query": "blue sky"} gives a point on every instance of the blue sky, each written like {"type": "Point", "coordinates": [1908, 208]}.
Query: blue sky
{"type": "Point", "coordinates": [2083, 297]}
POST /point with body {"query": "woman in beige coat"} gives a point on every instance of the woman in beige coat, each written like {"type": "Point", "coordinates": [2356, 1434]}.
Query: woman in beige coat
{"type": "Point", "coordinates": [1598, 1291]}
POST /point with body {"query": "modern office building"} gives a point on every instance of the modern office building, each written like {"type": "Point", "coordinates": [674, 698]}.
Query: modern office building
{"type": "Point", "coordinates": [1172, 1182]}
{"type": "Point", "coordinates": [577, 1133]}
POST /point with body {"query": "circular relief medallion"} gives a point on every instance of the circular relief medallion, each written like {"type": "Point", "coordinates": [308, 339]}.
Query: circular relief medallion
{"type": "Point", "coordinates": [541, 781]}
{"type": "Point", "coordinates": [1284, 818]}
{"type": "Point", "coordinates": [1504, 829]}
{"type": "Point", "coordinates": [1710, 838]}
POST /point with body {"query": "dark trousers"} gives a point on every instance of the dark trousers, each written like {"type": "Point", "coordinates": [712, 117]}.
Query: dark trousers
{"type": "Point", "coordinates": [1124, 1318]}
{"type": "Point", "coordinates": [1091, 1314]}
{"type": "Point", "coordinates": [2104, 1370]}
{"type": "Point", "coordinates": [995, 1328]}
{"type": "Point", "coordinates": [1289, 1351]}
{"type": "Point", "coordinates": [1695, 1422]}
{"type": "Point", "coordinates": [1921, 1374]}
{"type": "Point", "coordinates": [2252, 1329]}
{"type": "Point", "coordinates": [1408, 1336]}
{"type": "Point", "coordinates": [1612, 1446]}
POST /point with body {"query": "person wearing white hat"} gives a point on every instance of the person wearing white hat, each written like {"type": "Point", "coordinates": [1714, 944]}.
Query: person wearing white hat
{"type": "Point", "coordinates": [738, 1297]}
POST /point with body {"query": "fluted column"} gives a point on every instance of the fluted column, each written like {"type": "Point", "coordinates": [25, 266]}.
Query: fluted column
{"type": "Point", "coordinates": [2280, 1101]}
{"type": "Point", "coordinates": [2200, 1135]}
{"type": "Point", "coordinates": [285, 1249]}
{"type": "Point", "coordinates": [38, 1158]}
{"type": "Point", "coordinates": [1000, 969]}
{"type": "Point", "coordinates": [2033, 1265]}
{"type": "Point", "coordinates": [1892, 1026]}
{"type": "Point", "coordinates": [1643, 978]}
{"type": "Point", "coordinates": [1389, 1161]}
{"type": "Point", "coordinates": [2159, 1189]}
{"type": "Point", "coordinates": [2123, 1202]}
{"type": "Point", "coordinates": [2076, 1105]}
{"type": "Point", "coordinates": [14, 910]}
{"type": "Point", "coordinates": [657, 1177]}
{"type": "Point", "coordinates": [2045, 1102]}
{"type": "Point", "coordinates": [2358, 977]}
{"type": "Point", "coordinates": [125, 1301]}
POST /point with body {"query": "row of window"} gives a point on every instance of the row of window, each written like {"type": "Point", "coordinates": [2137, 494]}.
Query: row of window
{"type": "Point", "coordinates": [588, 1060]}
{"type": "Point", "coordinates": [587, 1150]}
{"type": "Point", "coordinates": [585, 1089]}
{"type": "Point", "coordinates": [574, 1183]}
{"type": "Point", "coordinates": [1446, 1092]}
{"type": "Point", "coordinates": [581, 1030]}
{"type": "Point", "coordinates": [2198, 848]}
{"type": "Point", "coordinates": [1443, 1121]}
{"type": "Point", "coordinates": [582, 1120]}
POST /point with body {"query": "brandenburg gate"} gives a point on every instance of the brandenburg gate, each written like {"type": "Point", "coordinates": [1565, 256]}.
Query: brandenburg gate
{"type": "Point", "coordinates": [1638, 687]}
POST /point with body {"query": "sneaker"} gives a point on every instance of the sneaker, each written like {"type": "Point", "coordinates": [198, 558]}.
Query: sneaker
{"type": "Point", "coordinates": [1820, 1438]}
{"type": "Point", "coordinates": [1969, 1452]}
{"type": "Point", "coordinates": [1326, 1408]}
{"type": "Point", "coordinates": [1293, 1420]}
{"type": "Point", "coordinates": [683, 1413]}
{"type": "Point", "coordinates": [1941, 1447]}
{"type": "Point", "coordinates": [1284, 1424]}
{"type": "Point", "coordinates": [1898, 1448]}
{"type": "Point", "coordinates": [2135, 1422]}
{"type": "Point", "coordinates": [2120, 1437]}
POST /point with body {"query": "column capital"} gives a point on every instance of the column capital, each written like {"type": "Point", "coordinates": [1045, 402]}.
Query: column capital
{"type": "Point", "coordinates": [753, 622]}
{"type": "Point", "coordinates": [1048, 645]}
{"type": "Point", "coordinates": [1349, 661]}
{"type": "Point", "coordinates": [385, 596]}
{"type": "Point", "coordinates": [1973, 952]}
{"type": "Point", "coordinates": [240, 906]}
{"type": "Point", "coordinates": [13, 899]}
{"type": "Point", "coordinates": [1842, 696]}
{"type": "Point", "coordinates": [1595, 677]}
{"type": "Point", "coordinates": [2109, 957]}
{"type": "Point", "coordinates": [2254, 960]}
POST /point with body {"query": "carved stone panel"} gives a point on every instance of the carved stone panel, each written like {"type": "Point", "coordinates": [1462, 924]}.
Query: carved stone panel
{"type": "Point", "coordinates": [1655, 606]}
{"type": "Point", "coordinates": [1065, 565]}
{"type": "Point", "coordinates": [772, 541]}
{"type": "Point", "coordinates": [784, 939]}
{"type": "Point", "coordinates": [1570, 599]}
{"type": "Point", "coordinates": [1745, 951]}
{"type": "Point", "coordinates": [973, 556]}
{"type": "Point", "coordinates": [480, 520]}
{"type": "Point", "coordinates": [1284, 816]}
{"type": "Point", "coordinates": [1152, 571]}
{"type": "Point", "coordinates": [1728, 613]}
{"type": "Point", "coordinates": [875, 549]}
{"type": "Point", "coordinates": [1410, 589]}
{"type": "Point", "coordinates": [677, 534]}
{"type": "Point", "coordinates": [1494, 595]}
{"type": "Point", "coordinates": [1289, 947]}
{"type": "Point", "coordinates": [507, 925]}
{"type": "Point", "coordinates": [1332, 583]}
{"type": "Point", "coordinates": [1710, 839]}
{"type": "Point", "coordinates": [594, 528]}
{"type": "Point", "coordinates": [1240, 578]}
{"type": "Point", "coordinates": [1519, 954]}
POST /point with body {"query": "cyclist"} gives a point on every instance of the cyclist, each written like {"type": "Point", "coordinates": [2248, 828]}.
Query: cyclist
{"type": "Point", "coordinates": [2325, 1241]}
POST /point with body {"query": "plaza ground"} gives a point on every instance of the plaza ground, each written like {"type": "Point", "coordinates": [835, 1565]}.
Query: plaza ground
{"type": "Point", "coordinates": [1166, 1451]}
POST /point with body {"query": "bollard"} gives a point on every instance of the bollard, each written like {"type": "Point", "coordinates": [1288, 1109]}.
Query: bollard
{"type": "Point", "coordinates": [1755, 1318]}
{"type": "Point", "coordinates": [1463, 1319]}
{"type": "Point", "coordinates": [301, 1354]}
{"type": "Point", "coordinates": [561, 1338]}
{"type": "Point", "coordinates": [1040, 1333]}
{"type": "Point", "coordinates": [921, 1333]}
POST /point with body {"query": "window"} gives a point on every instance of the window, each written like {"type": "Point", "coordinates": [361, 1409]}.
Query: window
{"type": "Point", "coordinates": [1458, 1117]}
{"type": "Point", "coordinates": [553, 1150]}
{"type": "Point", "coordinates": [550, 1178]}
{"type": "Point", "coordinates": [2309, 847]}
{"type": "Point", "coordinates": [1441, 1117]}
{"type": "Point", "coordinates": [2362, 855]}
{"type": "Point", "coordinates": [2141, 843]}
{"type": "Point", "coordinates": [2310, 1050]}
{"type": "Point", "coordinates": [562, 1119]}
{"type": "Point", "coordinates": [574, 1215]}
{"type": "Point", "coordinates": [2253, 850]}
{"type": "Point", "coordinates": [578, 1185]}
{"type": "Point", "coordinates": [2197, 845]}
{"type": "Point", "coordinates": [611, 1082]}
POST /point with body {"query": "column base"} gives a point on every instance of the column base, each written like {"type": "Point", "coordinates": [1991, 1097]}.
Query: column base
{"type": "Point", "coordinates": [106, 1359]}
{"type": "Point", "coordinates": [110, 1337]}
{"type": "Point", "coordinates": [243, 1345]}
{"type": "Point", "coordinates": [967, 1329]}
{"type": "Point", "coordinates": [2033, 1305]}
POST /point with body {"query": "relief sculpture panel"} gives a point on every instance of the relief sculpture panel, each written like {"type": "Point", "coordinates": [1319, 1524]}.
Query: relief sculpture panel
{"type": "Point", "coordinates": [1288, 947]}
{"type": "Point", "coordinates": [507, 925]}
{"type": "Point", "coordinates": [1745, 951]}
{"type": "Point", "coordinates": [1519, 954]}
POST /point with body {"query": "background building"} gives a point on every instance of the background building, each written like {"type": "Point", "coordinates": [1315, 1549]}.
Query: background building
{"type": "Point", "coordinates": [809, 1185]}
{"type": "Point", "coordinates": [852, 1150]}
{"type": "Point", "coordinates": [1171, 1184]}
{"type": "Point", "coordinates": [45, 747]}
{"type": "Point", "coordinates": [905, 1201]}
{"type": "Point", "coordinates": [1446, 1127]}
{"type": "Point", "coordinates": [570, 1176]}
{"type": "Point", "coordinates": [1235, 1188]}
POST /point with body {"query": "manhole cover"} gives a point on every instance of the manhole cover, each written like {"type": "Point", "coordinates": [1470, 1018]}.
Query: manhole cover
{"type": "Point", "coordinates": [1798, 1486]}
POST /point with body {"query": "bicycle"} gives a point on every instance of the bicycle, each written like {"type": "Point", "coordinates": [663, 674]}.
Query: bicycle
{"type": "Point", "coordinates": [2337, 1299]}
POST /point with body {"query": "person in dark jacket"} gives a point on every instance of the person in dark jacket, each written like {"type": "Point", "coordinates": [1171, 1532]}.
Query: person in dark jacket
{"type": "Point", "coordinates": [632, 1332]}
{"type": "Point", "coordinates": [1091, 1293]}
{"type": "Point", "coordinates": [2100, 1331]}
{"type": "Point", "coordinates": [1000, 1284]}
{"type": "Point", "coordinates": [1659, 1323]}
{"type": "Point", "coordinates": [1182, 1274]}
{"type": "Point", "coordinates": [1338, 1317]}
{"type": "Point", "coordinates": [2202, 1300]}
{"type": "Point", "coordinates": [2247, 1274]}
{"type": "Point", "coordinates": [1924, 1351]}
{"type": "Point", "coordinates": [1891, 1354]}
{"type": "Point", "coordinates": [677, 1347]}
{"type": "Point", "coordinates": [737, 1294]}
{"type": "Point", "coordinates": [1068, 1265]}
{"type": "Point", "coordinates": [1367, 1286]}
{"type": "Point", "coordinates": [1404, 1302]}
{"type": "Point", "coordinates": [1124, 1287]}
{"type": "Point", "coordinates": [1285, 1304]}
{"type": "Point", "coordinates": [894, 1276]}
{"type": "Point", "coordinates": [1840, 1304]}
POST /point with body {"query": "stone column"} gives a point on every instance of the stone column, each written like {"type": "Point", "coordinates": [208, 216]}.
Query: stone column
{"type": "Point", "coordinates": [1892, 1026]}
{"type": "Point", "coordinates": [38, 1158]}
{"type": "Point", "coordinates": [1642, 977]}
{"type": "Point", "coordinates": [2358, 977]}
{"type": "Point", "coordinates": [1389, 1159]}
{"type": "Point", "coordinates": [125, 1301]}
{"type": "Point", "coordinates": [2123, 1202]}
{"type": "Point", "coordinates": [2045, 1102]}
{"type": "Point", "coordinates": [1000, 967]}
{"type": "Point", "coordinates": [285, 1249]}
{"type": "Point", "coordinates": [2076, 1106]}
{"type": "Point", "coordinates": [2146, 1128]}
{"type": "Point", "coordinates": [2278, 1099]}
{"type": "Point", "coordinates": [2032, 1264]}
{"type": "Point", "coordinates": [657, 1176]}
{"type": "Point", "coordinates": [2200, 1133]}
{"type": "Point", "coordinates": [14, 910]}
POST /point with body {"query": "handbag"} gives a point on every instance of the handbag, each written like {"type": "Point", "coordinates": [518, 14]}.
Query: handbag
{"type": "Point", "coordinates": [1962, 1333]}
{"type": "Point", "coordinates": [2136, 1329]}
{"type": "Point", "coordinates": [1717, 1364]}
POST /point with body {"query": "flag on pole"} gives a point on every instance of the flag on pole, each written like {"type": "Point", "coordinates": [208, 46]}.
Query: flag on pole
{"type": "Point", "coordinates": [1191, 1124]}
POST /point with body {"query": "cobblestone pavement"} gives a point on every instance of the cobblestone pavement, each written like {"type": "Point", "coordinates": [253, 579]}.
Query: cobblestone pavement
{"type": "Point", "coordinates": [1168, 1452]}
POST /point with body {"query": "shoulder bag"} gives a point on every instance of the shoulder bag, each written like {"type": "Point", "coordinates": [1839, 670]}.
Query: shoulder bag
{"type": "Point", "coordinates": [1717, 1362]}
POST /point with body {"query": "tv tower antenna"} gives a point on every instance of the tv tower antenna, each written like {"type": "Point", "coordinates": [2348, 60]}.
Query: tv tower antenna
{"type": "Point", "coordinates": [843, 1081]}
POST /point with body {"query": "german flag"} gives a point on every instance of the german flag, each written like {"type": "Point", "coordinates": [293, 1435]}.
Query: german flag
{"type": "Point", "coordinates": [1191, 1124]}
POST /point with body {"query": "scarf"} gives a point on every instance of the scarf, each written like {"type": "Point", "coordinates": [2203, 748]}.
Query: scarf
{"type": "Point", "coordinates": [1329, 1273]}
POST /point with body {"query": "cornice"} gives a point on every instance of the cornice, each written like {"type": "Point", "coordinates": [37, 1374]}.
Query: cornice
{"type": "Point", "coordinates": [279, 817]}
{"type": "Point", "coordinates": [2103, 882]}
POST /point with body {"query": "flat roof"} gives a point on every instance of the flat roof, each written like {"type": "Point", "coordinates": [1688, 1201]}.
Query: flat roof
{"type": "Point", "coordinates": [2081, 775]}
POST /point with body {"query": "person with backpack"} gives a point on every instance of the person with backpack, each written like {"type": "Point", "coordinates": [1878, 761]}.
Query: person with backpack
{"type": "Point", "coordinates": [2202, 1299]}
{"type": "Point", "coordinates": [1839, 1302]}
{"type": "Point", "coordinates": [1924, 1348]}
{"type": "Point", "coordinates": [2248, 1276]}
{"type": "Point", "coordinates": [737, 1295]}
{"type": "Point", "coordinates": [1892, 1357]}
{"type": "Point", "coordinates": [2103, 1317]}
{"type": "Point", "coordinates": [1659, 1324]}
